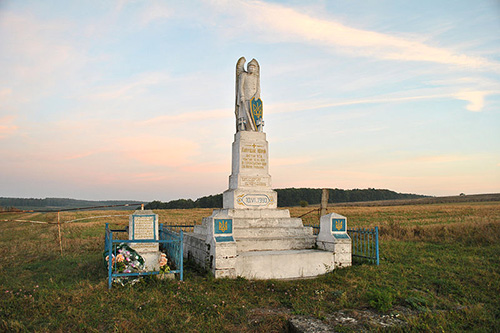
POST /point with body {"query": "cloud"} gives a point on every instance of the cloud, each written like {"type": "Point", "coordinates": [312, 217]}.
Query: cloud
{"type": "Point", "coordinates": [155, 11]}
{"type": "Point", "coordinates": [190, 116]}
{"type": "Point", "coordinates": [128, 89]}
{"type": "Point", "coordinates": [7, 126]}
{"type": "Point", "coordinates": [475, 99]}
{"type": "Point", "coordinates": [4, 93]}
{"type": "Point", "coordinates": [292, 25]}
{"type": "Point", "coordinates": [159, 150]}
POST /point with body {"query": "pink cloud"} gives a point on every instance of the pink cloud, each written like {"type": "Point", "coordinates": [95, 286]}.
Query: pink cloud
{"type": "Point", "coordinates": [7, 126]}
{"type": "Point", "coordinates": [159, 150]}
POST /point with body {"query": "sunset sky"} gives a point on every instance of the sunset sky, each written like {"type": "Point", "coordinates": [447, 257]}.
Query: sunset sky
{"type": "Point", "coordinates": [135, 99]}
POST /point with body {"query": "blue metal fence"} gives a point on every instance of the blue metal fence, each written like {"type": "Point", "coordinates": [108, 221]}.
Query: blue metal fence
{"type": "Point", "coordinates": [180, 227]}
{"type": "Point", "coordinates": [172, 242]}
{"type": "Point", "coordinates": [174, 246]}
{"type": "Point", "coordinates": [364, 243]}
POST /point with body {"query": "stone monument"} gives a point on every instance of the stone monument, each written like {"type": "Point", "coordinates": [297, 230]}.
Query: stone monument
{"type": "Point", "coordinates": [249, 236]}
{"type": "Point", "coordinates": [143, 225]}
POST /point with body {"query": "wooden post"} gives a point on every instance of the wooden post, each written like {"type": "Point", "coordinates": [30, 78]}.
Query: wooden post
{"type": "Point", "coordinates": [324, 201]}
{"type": "Point", "coordinates": [59, 228]}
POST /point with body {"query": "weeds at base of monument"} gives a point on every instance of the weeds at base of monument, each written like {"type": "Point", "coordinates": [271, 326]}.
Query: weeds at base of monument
{"type": "Point", "coordinates": [127, 260]}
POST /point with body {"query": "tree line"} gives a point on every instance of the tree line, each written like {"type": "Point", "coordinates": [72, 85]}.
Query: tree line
{"type": "Point", "coordinates": [288, 197]}
{"type": "Point", "coordinates": [59, 203]}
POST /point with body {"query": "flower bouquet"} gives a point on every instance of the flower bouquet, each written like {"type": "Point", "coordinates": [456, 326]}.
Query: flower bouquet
{"type": "Point", "coordinates": [164, 268]}
{"type": "Point", "coordinates": [127, 260]}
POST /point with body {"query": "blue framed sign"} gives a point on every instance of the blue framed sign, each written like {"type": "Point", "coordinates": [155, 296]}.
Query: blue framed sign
{"type": "Point", "coordinates": [339, 225]}
{"type": "Point", "coordinates": [223, 226]}
{"type": "Point", "coordinates": [143, 227]}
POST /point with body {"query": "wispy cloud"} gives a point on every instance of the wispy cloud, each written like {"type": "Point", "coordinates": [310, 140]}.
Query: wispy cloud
{"type": "Point", "coordinates": [291, 24]}
{"type": "Point", "coordinates": [160, 151]}
{"type": "Point", "coordinates": [190, 116]}
{"type": "Point", "coordinates": [129, 88]}
{"type": "Point", "coordinates": [7, 126]}
{"type": "Point", "coordinates": [154, 12]}
{"type": "Point", "coordinates": [475, 99]}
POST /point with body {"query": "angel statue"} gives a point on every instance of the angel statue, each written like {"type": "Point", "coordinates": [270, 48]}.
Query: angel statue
{"type": "Point", "coordinates": [248, 108]}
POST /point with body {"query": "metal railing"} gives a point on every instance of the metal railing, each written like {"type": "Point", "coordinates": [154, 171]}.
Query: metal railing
{"type": "Point", "coordinates": [180, 227]}
{"type": "Point", "coordinates": [365, 243]}
{"type": "Point", "coordinates": [173, 243]}
{"type": "Point", "coordinates": [174, 246]}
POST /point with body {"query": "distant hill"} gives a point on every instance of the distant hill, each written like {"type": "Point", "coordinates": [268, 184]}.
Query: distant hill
{"type": "Point", "coordinates": [61, 203]}
{"type": "Point", "coordinates": [288, 197]}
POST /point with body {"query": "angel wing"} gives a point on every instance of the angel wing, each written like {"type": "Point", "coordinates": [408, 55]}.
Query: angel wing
{"type": "Point", "coordinates": [240, 68]}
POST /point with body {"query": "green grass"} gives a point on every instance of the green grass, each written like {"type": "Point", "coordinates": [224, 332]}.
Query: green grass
{"type": "Point", "coordinates": [440, 272]}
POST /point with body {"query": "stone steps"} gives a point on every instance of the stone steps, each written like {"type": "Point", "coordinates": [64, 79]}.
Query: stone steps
{"type": "Point", "coordinates": [273, 232]}
{"type": "Point", "coordinates": [267, 223]}
{"type": "Point", "coordinates": [284, 264]}
{"type": "Point", "coordinates": [246, 244]}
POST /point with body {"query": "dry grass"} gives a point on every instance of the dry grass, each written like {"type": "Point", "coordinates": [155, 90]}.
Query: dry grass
{"type": "Point", "coordinates": [430, 251]}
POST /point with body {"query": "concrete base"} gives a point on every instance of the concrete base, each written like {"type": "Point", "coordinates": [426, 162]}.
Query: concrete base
{"type": "Point", "coordinates": [268, 244]}
{"type": "Point", "coordinates": [288, 264]}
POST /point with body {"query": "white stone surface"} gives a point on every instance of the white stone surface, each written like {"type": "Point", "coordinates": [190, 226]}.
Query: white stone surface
{"type": "Point", "coordinates": [250, 182]}
{"type": "Point", "coordinates": [143, 224]}
{"type": "Point", "coordinates": [284, 264]}
{"type": "Point", "coordinates": [342, 247]}
{"type": "Point", "coordinates": [247, 87]}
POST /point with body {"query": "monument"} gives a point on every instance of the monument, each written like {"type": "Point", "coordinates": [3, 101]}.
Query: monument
{"type": "Point", "coordinates": [143, 225]}
{"type": "Point", "coordinates": [249, 236]}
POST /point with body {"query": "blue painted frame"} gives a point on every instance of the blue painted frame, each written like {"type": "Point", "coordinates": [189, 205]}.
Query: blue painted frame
{"type": "Point", "coordinates": [154, 224]}
{"type": "Point", "coordinates": [174, 239]}
{"type": "Point", "coordinates": [217, 226]}
{"type": "Point", "coordinates": [365, 242]}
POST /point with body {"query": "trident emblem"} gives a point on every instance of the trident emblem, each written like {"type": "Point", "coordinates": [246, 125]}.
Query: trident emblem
{"type": "Point", "coordinates": [338, 224]}
{"type": "Point", "coordinates": [222, 225]}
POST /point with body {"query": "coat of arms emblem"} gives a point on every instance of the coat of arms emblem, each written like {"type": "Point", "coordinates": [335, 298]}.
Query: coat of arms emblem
{"type": "Point", "coordinates": [256, 109]}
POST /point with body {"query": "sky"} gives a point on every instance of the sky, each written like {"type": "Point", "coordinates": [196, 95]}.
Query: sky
{"type": "Point", "coordinates": [134, 100]}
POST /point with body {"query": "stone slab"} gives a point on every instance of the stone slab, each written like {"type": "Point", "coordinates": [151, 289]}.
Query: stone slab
{"type": "Point", "coordinates": [143, 224]}
{"type": "Point", "coordinates": [284, 264]}
{"type": "Point", "coordinates": [274, 244]}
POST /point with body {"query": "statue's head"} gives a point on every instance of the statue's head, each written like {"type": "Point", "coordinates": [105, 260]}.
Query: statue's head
{"type": "Point", "coordinates": [253, 66]}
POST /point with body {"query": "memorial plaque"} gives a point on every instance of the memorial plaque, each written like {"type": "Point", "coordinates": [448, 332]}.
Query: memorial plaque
{"type": "Point", "coordinates": [144, 226]}
{"type": "Point", "coordinates": [253, 156]}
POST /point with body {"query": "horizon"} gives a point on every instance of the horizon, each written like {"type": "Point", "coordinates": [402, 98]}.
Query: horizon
{"type": "Point", "coordinates": [136, 99]}
{"type": "Point", "coordinates": [131, 201]}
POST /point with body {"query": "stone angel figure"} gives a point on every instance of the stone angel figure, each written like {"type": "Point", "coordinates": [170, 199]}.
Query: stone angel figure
{"type": "Point", "coordinates": [248, 108]}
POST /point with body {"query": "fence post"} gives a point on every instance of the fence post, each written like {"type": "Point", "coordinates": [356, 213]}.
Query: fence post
{"type": "Point", "coordinates": [324, 201]}
{"type": "Point", "coordinates": [59, 229]}
{"type": "Point", "coordinates": [110, 258]}
{"type": "Point", "coordinates": [376, 244]}
{"type": "Point", "coordinates": [181, 252]}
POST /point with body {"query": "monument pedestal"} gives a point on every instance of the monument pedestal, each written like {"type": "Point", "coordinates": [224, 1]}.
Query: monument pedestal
{"type": "Point", "coordinates": [250, 237]}
{"type": "Point", "coordinates": [250, 182]}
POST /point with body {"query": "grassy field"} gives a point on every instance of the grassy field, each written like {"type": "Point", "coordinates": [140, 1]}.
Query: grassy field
{"type": "Point", "coordinates": [440, 272]}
